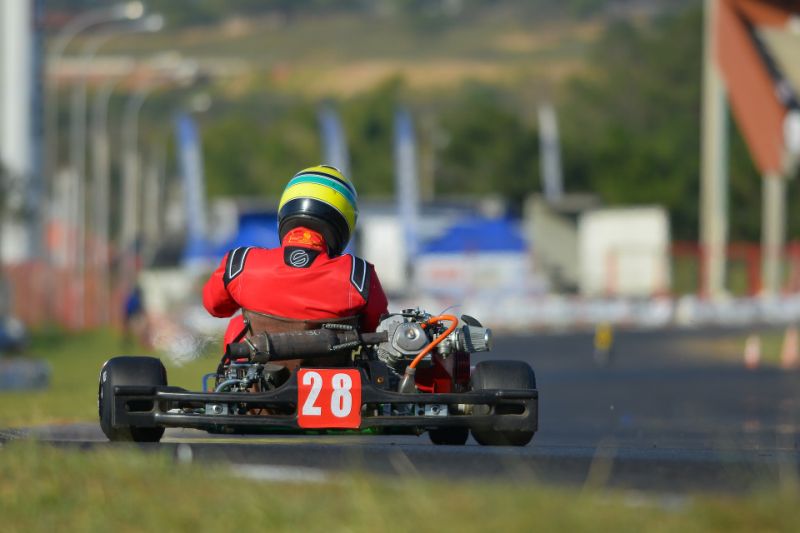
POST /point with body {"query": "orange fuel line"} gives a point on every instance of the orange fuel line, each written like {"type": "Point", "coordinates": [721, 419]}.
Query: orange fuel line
{"type": "Point", "coordinates": [435, 342]}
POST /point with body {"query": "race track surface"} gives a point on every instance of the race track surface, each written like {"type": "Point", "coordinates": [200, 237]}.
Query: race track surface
{"type": "Point", "coordinates": [666, 414]}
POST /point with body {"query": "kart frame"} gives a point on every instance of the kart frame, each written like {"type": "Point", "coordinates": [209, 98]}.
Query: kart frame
{"type": "Point", "coordinates": [154, 406]}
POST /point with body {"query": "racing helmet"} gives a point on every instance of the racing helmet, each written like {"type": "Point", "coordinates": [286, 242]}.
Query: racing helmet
{"type": "Point", "coordinates": [322, 199]}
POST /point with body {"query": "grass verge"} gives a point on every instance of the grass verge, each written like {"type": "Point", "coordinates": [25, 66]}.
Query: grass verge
{"type": "Point", "coordinates": [75, 361]}
{"type": "Point", "coordinates": [127, 489]}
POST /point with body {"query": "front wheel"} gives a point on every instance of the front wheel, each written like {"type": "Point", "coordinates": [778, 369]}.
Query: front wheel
{"type": "Point", "coordinates": [490, 375]}
{"type": "Point", "coordinates": [123, 371]}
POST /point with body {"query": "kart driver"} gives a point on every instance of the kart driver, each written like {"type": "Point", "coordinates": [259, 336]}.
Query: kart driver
{"type": "Point", "coordinates": [308, 280]}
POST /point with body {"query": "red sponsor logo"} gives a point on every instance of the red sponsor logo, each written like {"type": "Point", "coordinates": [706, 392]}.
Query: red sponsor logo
{"type": "Point", "coordinates": [304, 237]}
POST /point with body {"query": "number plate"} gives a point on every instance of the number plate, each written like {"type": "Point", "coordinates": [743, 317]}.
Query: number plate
{"type": "Point", "coordinates": [328, 398]}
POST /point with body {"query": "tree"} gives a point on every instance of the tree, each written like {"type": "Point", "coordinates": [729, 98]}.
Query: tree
{"type": "Point", "coordinates": [247, 154]}
{"type": "Point", "coordinates": [632, 126]}
{"type": "Point", "coordinates": [490, 148]}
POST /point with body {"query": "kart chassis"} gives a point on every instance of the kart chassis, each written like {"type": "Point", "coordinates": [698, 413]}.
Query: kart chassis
{"type": "Point", "coordinates": [167, 406]}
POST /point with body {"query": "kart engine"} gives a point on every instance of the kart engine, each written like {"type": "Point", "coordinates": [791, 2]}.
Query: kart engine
{"type": "Point", "coordinates": [407, 338]}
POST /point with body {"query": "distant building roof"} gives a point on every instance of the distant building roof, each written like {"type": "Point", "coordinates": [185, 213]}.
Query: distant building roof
{"type": "Point", "coordinates": [478, 234]}
{"type": "Point", "coordinates": [255, 229]}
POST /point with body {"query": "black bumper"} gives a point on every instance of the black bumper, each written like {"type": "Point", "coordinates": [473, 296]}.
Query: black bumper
{"type": "Point", "coordinates": [149, 407]}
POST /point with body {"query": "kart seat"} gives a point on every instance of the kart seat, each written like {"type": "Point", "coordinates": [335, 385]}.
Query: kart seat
{"type": "Point", "coordinates": [257, 322]}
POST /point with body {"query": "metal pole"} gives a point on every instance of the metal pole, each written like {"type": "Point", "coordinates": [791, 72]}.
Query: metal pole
{"type": "Point", "coordinates": [77, 158]}
{"type": "Point", "coordinates": [101, 162]}
{"type": "Point", "coordinates": [129, 11]}
{"type": "Point", "coordinates": [714, 172]}
{"type": "Point", "coordinates": [154, 198]}
{"type": "Point", "coordinates": [152, 23]}
{"type": "Point", "coordinates": [125, 11]}
{"type": "Point", "coordinates": [773, 233]}
{"type": "Point", "coordinates": [129, 207]}
{"type": "Point", "coordinates": [70, 201]}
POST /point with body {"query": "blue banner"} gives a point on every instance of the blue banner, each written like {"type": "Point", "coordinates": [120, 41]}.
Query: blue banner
{"type": "Point", "coordinates": [334, 142]}
{"type": "Point", "coordinates": [406, 184]}
{"type": "Point", "coordinates": [550, 154]}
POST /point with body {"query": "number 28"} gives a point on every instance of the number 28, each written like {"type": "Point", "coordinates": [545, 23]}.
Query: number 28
{"type": "Point", "coordinates": [341, 399]}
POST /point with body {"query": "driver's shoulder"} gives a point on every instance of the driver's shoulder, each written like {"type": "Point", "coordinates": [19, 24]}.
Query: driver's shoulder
{"type": "Point", "coordinates": [349, 260]}
{"type": "Point", "coordinates": [236, 258]}
{"type": "Point", "coordinates": [358, 270]}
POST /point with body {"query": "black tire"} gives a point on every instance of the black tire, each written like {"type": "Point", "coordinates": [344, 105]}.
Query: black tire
{"type": "Point", "coordinates": [449, 436]}
{"type": "Point", "coordinates": [128, 370]}
{"type": "Point", "coordinates": [501, 375]}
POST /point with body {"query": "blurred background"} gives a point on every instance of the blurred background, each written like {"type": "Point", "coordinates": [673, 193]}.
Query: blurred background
{"type": "Point", "coordinates": [608, 184]}
{"type": "Point", "coordinates": [541, 164]}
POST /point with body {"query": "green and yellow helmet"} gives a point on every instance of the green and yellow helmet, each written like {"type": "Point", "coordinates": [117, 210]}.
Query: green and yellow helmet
{"type": "Point", "coordinates": [322, 199]}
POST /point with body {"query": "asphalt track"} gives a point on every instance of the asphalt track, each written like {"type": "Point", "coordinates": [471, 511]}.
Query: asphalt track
{"type": "Point", "coordinates": [666, 414]}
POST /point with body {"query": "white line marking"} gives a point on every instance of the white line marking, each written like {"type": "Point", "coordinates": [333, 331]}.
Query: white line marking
{"type": "Point", "coordinates": [299, 474]}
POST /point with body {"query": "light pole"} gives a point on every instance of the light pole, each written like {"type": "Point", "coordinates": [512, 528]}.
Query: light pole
{"type": "Point", "coordinates": [123, 11]}
{"type": "Point", "coordinates": [151, 23]}
{"type": "Point", "coordinates": [130, 208]}
{"type": "Point", "coordinates": [101, 162]}
{"type": "Point", "coordinates": [130, 172]}
{"type": "Point", "coordinates": [155, 176]}
{"type": "Point", "coordinates": [153, 193]}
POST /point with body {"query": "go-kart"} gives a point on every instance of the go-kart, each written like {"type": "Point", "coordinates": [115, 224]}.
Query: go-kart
{"type": "Point", "coordinates": [410, 376]}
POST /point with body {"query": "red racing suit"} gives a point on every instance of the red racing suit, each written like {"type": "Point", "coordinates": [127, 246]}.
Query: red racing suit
{"type": "Point", "coordinates": [298, 281]}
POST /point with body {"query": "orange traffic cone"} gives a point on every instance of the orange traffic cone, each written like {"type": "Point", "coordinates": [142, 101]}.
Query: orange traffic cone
{"type": "Point", "coordinates": [752, 352]}
{"type": "Point", "coordinates": [790, 351]}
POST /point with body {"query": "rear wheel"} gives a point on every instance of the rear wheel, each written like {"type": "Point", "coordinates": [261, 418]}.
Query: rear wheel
{"type": "Point", "coordinates": [501, 375]}
{"type": "Point", "coordinates": [451, 436]}
{"type": "Point", "coordinates": [122, 371]}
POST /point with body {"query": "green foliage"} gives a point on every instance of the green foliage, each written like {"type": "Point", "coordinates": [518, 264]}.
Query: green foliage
{"type": "Point", "coordinates": [490, 150]}
{"type": "Point", "coordinates": [632, 128]}
{"type": "Point", "coordinates": [252, 154]}
{"type": "Point", "coordinates": [368, 122]}
{"type": "Point", "coordinates": [630, 125]}
{"type": "Point", "coordinates": [252, 149]}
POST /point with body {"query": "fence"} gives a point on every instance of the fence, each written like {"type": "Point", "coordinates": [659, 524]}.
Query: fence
{"type": "Point", "coordinates": [743, 269]}
{"type": "Point", "coordinates": [40, 294]}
